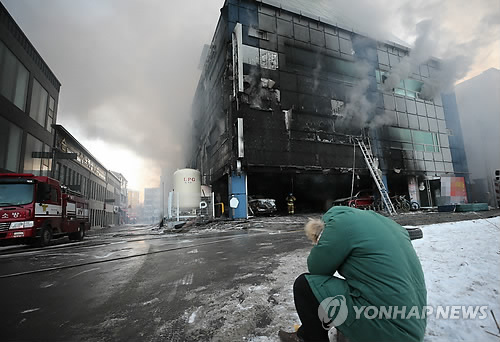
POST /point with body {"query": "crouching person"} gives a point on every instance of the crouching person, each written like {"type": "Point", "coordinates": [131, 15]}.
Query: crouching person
{"type": "Point", "coordinates": [381, 295]}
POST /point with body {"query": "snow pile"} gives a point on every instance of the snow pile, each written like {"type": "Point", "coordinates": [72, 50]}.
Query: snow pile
{"type": "Point", "coordinates": [461, 262]}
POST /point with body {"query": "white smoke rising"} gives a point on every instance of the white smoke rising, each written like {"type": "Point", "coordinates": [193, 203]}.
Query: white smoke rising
{"type": "Point", "coordinates": [128, 68]}
{"type": "Point", "coordinates": [438, 33]}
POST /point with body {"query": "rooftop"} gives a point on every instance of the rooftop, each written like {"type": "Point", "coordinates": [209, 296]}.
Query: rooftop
{"type": "Point", "coordinates": [326, 12]}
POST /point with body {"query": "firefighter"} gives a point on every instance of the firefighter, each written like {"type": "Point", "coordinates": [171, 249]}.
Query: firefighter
{"type": "Point", "coordinates": [290, 200]}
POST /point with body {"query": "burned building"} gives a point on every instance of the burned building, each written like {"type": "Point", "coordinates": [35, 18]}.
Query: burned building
{"type": "Point", "coordinates": [287, 89]}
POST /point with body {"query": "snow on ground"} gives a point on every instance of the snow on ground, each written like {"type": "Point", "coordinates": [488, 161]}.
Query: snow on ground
{"type": "Point", "coordinates": [254, 309]}
{"type": "Point", "coordinates": [461, 262]}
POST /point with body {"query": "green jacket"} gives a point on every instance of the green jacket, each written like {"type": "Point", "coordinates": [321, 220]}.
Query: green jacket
{"type": "Point", "coordinates": [375, 256]}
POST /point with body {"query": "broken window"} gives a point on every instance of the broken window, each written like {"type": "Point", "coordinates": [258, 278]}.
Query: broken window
{"type": "Point", "coordinates": [264, 58]}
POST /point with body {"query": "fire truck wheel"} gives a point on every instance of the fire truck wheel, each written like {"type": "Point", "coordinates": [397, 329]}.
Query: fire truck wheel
{"type": "Point", "coordinates": [45, 236]}
{"type": "Point", "coordinates": [79, 235]}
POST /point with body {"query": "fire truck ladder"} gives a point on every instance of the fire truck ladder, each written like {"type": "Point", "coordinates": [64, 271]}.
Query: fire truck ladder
{"type": "Point", "coordinates": [375, 172]}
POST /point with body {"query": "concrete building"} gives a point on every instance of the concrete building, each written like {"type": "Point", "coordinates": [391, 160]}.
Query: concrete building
{"type": "Point", "coordinates": [133, 205]}
{"type": "Point", "coordinates": [285, 90]}
{"type": "Point", "coordinates": [87, 175]}
{"type": "Point", "coordinates": [29, 94]}
{"type": "Point", "coordinates": [152, 205]}
{"type": "Point", "coordinates": [123, 203]}
{"type": "Point", "coordinates": [479, 106]}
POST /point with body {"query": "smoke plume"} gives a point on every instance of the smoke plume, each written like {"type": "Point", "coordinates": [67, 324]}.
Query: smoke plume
{"type": "Point", "coordinates": [128, 68]}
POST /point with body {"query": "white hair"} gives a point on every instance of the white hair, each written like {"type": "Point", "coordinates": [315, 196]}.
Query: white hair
{"type": "Point", "coordinates": [313, 229]}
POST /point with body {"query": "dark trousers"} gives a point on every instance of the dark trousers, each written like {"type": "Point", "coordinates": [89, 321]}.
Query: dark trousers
{"type": "Point", "coordinates": [307, 305]}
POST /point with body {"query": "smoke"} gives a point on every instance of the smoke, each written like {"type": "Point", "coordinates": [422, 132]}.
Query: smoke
{"type": "Point", "coordinates": [128, 68]}
{"type": "Point", "coordinates": [458, 33]}
{"type": "Point", "coordinates": [358, 108]}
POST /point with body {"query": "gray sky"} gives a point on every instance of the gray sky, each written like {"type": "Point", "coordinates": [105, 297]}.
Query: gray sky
{"type": "Point", "coordinates": [128, 68]}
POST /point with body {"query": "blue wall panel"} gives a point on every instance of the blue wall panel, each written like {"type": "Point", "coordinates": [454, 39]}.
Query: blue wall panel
{"type": "Point", "coordinates": [238, 188]}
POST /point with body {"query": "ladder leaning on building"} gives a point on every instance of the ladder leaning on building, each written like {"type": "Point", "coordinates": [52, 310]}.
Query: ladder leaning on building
{"type": "Point", "coordinates": [375, 172]}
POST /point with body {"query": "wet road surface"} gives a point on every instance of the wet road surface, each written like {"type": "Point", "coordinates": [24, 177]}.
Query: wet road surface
{"type": "Point", "coordinates": [129, 283]}
{"type": "Point", "coordinates": [135, 283]}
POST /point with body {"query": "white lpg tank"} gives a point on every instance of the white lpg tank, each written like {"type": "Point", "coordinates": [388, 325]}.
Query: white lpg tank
{"type": "Point", "coordinates": [187, 184]}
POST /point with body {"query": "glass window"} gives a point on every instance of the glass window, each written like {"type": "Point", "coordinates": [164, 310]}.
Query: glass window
{"type": "Point", "coordinates": [420, 137]}
{"type": "Point", "coordinates": [50, 118]}
{"type": "Point", "coordinates": [413, 85]}
{"type": "Point", "coordinates": [13, 78]}
{"type": "Point", "coordinates": [8, 75]}
{"type": "Point", "coordinates": [10, 145]}
{"type": "Point", "coordinates": [58, 171]}
{"type": "Point", "coordinates": [399, 134]}
{"type": "Point", "coordinates": [46, 162]}
{"type": "Point", "coordinates": [399, 91]}
{"type": "Point", "coordinates": [32, 165]}
{"type": "Point", "coordinates": [411, 94]}
{"type": "Point", "coordinates": [64, 174]}
{"type": "Point", "coordinates": [422, 141]}
{"type": "Point", "coordinates": [21, 86]}
{"type": "Point", "coordinates": [38, 109]}
{"type": "Point", "coordinates": [344, 67]}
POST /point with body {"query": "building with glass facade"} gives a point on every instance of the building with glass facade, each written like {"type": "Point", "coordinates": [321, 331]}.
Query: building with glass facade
{"type": "Point", "coordinates": [285, 90]}
{"type": "Point", "coordinates": [29, 93]}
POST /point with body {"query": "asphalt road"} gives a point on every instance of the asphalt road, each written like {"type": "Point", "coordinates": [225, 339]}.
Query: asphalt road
{"type": "Point", "coordinates": [134, 283]}
{"type": "Point", "coordinates": [129, 283]}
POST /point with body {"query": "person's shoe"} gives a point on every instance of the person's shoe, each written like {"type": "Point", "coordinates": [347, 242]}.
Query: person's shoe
{"type": "Point", "coordinates": [289, 337]}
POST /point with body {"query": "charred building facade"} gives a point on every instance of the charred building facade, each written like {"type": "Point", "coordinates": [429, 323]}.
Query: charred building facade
{"type": "Point", "coordinates": [286, 90]}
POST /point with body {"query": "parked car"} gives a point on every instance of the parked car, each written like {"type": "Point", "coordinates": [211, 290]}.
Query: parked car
{"type": "Point", "coordinates": [363, 199]}
{"type": "Point", "coordinates": [262, 206]}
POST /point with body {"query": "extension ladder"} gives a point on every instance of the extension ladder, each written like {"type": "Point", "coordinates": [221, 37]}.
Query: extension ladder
{"type": "Point", "coordinates": [375, 172]}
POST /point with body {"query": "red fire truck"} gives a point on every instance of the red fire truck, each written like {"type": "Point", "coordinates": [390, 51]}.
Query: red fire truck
{"type": "Point", "coordinates": [35, 209]}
